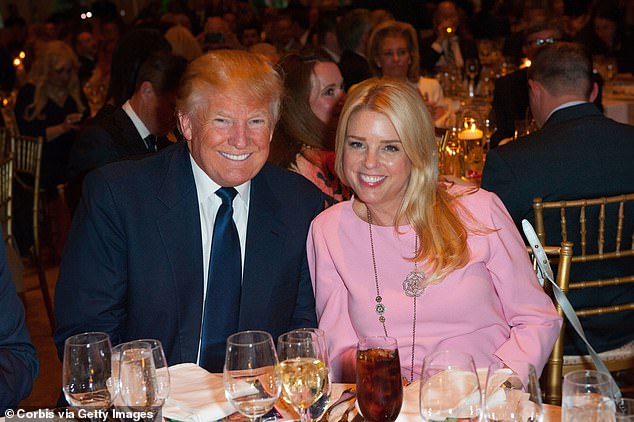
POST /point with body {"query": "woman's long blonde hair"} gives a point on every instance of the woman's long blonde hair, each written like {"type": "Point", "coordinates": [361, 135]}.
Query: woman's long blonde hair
{"type": "Point", "coordinates": [47, 55]}
{"type": "Point", "coordinates": [430, 209]}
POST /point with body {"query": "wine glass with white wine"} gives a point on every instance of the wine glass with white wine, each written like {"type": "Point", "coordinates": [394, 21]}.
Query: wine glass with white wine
{"type": "Point", "coordinates": [305, 375]}
{"type": "Point", "coordinates": [251, 373]}
{"type": "Point", "coordinates": [87, 372]}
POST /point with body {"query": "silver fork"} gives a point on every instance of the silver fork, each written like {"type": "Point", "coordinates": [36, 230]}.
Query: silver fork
{"type": "Point", "coordinates": [346, 395]}
{"type": "Point", "coordinates": [344, 417]}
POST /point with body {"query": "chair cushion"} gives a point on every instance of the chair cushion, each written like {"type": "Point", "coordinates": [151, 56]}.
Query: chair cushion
{"type": "Point", "coordinates": [620, 353]}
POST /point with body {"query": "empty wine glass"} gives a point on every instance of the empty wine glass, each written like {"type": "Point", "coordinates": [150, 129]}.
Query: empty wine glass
{"type": "Point", "coordinates": [471, 66]}
{"type": "Point", "coordinates": [304, 373]}
{"type": "Point", "coordinates": [509, 398]}
{"type": "Point", "coordinates": [587, 396]}
{"type": "Point", "coordinates": [449, 387]}
{"type": "Point", "coordinates": [87, 371]}
{"type": "Point", "coordinates": [251, 373]}
{"type": "Point", "coordinates": [143, 375]}
{"type": "Point", "coordinates": [379, 382]}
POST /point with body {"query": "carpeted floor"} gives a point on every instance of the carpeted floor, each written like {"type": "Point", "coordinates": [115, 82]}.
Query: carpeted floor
{"type": "Point", "coordinates": [48, 383]}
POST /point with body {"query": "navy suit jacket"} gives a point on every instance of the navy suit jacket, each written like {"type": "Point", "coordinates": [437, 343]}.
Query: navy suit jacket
{"type": "Point", "coordinates": [109, 138]}
{"type": "Point", "coordinates": [18, 362]}
{"type": "Point", "coordinates": [133, 264]}
{"type": "Point", "coordinates": [578, 153]}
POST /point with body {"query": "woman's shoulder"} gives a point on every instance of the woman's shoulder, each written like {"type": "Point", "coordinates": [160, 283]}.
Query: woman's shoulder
{"type": "Point", "coordinates": [334, 215]}
{"type": "Point", "coordinates": [470, 196]}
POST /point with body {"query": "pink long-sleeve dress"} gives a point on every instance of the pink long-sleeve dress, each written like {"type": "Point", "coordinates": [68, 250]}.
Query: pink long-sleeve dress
{"type": "Point", "coordinates": [492, 308]}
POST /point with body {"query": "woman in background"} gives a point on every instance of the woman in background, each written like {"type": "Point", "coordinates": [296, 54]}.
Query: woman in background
{"type": "Point", "coordinates": [393, 52]}
{"type": "Point", "coordinates": [51, 105]}
{"type": "Point", "coordinates": [409, 248]}
{"type": "Point", "coordinates": [303, 140]}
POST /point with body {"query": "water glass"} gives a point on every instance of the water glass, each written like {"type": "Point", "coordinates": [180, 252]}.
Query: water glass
{"type": "Point", "coordinates": [379, 383]}
{"type": "Point", "coordinates": [587, 396]}
{"type": "Point", "coordinates": [87, 371]}
{"type": "Point", "coordinates": [251, 373]}
{"type": "Point", "coordinates": [143, 375]}
{"type": "Point", "coordinates": [509, 398]}
{"type": "Point", "coordinates": [449, 387]}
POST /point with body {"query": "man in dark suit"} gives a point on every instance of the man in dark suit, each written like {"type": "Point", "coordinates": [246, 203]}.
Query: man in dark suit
{"type": "Point", "coordinates": [352, 33]}
{"type": "Point", "coordinates": [141, 259]}
{"type": "Point", "coordinates": [450, 45]}
{"type": "Point", "coordinates": [576, 153]}
{"type": "Point", "coordinates": [18, 362]}
{"type": "Point", "coordinates": [510, 96]}
{"type": "Point", "coordinates": [136, 128]}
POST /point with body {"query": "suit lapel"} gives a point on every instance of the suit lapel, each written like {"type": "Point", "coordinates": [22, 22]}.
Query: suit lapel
{"type": "Point", "coordinates": [266, 234]}
{"type": "Point", "coordinates": [179, 227]}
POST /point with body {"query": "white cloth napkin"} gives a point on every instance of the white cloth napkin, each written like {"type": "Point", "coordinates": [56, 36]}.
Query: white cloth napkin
{"type": "Point", "coordinates": [196, 395]}
{"type": "Point", "coordinates": [410, 411]}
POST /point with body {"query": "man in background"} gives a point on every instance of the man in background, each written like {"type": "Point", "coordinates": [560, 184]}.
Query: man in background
{"type": "Point", "coordinates": [577, 153]}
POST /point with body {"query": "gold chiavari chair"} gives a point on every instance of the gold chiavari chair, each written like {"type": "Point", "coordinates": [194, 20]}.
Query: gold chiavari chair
{"type": "Point", "coordinates": [551, 378]}
{"type": "Point", "coordinates": [590, 222]}
{"type": "Point", "coordinates": [27, 155]}
{"type": "Point", "coordinates": [6, 220]}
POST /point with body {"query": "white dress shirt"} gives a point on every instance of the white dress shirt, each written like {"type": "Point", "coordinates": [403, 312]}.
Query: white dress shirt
{"type": "Point", "coordinates": [208, 205]}
{"type": "Point", "coordinates": [136, 120]}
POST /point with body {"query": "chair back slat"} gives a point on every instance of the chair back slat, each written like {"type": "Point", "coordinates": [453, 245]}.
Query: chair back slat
{"type": "Point", "coordinates": [6, 197]}
{"type": "Point", "coordinates": [583, 232]}
{"type": "Point", "coordinates": [619, 226]}
{"type": "Point", "coordinates": [562, 221]}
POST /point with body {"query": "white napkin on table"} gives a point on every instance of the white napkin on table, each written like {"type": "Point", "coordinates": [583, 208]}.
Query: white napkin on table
{"type": "Point", "coordinates": [410, 411]}
{"type": "Point", "coordinates": [196, 395]}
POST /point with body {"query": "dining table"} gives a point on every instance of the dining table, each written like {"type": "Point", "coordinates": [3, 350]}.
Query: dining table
{"type": "Point", "coordinates": [409, 410]}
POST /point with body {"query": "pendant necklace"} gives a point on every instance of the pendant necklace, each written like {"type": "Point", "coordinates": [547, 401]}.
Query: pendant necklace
{"type": "Point", "coordinates": [413, 286]}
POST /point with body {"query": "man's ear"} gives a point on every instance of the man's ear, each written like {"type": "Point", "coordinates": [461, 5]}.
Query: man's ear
{"type": "Point", "coordinates": [185, 125]}
{"type": "Point", "coordinates": [146, 89]}
{"type": "Point", "coordinates": [534, 88]}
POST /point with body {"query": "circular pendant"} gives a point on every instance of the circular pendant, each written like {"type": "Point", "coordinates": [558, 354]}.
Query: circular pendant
{"type": "Point", "coordinates": [414, 284]}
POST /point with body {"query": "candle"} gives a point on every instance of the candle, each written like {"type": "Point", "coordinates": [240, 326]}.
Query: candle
{"type": "Point", "coordinates": [470, 134]}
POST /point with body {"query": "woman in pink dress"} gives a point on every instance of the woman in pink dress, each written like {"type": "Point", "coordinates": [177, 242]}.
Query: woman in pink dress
{"type": "Point", "coordinates": [436, 265]}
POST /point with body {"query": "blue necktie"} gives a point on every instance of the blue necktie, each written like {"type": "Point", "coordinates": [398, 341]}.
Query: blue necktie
{"type": "Point", "coordinates": [222, 302]}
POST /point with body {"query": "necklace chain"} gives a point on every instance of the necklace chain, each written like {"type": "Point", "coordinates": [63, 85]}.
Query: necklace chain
{"type": "Point", "coordinates": [379, 307]}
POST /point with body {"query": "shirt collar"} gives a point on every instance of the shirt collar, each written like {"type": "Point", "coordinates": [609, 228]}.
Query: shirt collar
{"type": "Point", "coordinates": [565, 105]}
{"type": "Point", "coordinates": [136, 120]}
{"type": "Point", "coordinates": [206, 187]}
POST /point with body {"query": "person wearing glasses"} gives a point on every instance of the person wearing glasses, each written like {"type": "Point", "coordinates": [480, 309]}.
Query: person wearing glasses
{"type": "Point", "coordinates": [510, 98]}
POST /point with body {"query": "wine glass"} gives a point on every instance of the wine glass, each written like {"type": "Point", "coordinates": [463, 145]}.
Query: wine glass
{"type": "Point", "coordinates": [379, 382]}
{"type": "Point", "coordinates": [449, 387]}
{"type": "Point", "coordinates": [587, 396]}
{"type": "Point", "coordinates": [87, 371]}
{"type": "Point", "coordinates": [143, 375]}
{"type": "Point", "coordinates": [471, 66]}
{"type": "Point", "coordinates": [251, 373]}
{"type": "Point", "coordinates": [508, 398]}
{"type": "Point", "coordinates": [319, 408]}
{"type": "Point", "coordinates": [304, 373]}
